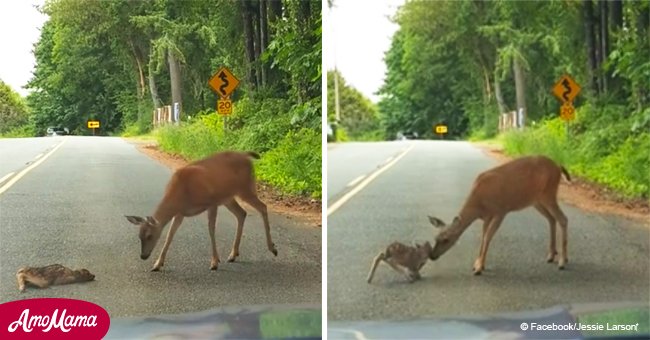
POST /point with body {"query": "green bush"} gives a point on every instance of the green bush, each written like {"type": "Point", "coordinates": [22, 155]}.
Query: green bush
{"type": "Point", "coordinates": [598, 147]}
{"type": "Point", "coordinates": [291, 155]}
{"type": "Point", "coordinates": [21, 131]}
{"type": "Point", "coordinates": [294, 166]}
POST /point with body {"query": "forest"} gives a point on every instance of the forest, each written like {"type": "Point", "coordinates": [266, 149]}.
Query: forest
{"type": "Point", "coordinates": [117, 61]}
{"type": "Point", "coordinates": [463, 63]}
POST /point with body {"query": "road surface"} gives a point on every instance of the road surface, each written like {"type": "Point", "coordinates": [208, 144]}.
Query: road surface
{"type": "Point", "coordinates": [70, 208]}
{"type": "Point", "coordinates": [609, 257]}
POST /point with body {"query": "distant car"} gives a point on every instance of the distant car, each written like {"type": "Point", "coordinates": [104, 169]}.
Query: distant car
{"type": "Point", "coordinates": [406, 135]}
{"type": "Point", "coordinates": [330, 133]}
{"type": "Point", "coordinates": [57, 131]}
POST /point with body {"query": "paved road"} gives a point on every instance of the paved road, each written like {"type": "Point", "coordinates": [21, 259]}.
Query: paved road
{"type": "Point", "coordinates": [70, 210]}
{"type": "Point", "coordinates": [609, 257]}
{"type": "Point", "coordinates": [20, 152]}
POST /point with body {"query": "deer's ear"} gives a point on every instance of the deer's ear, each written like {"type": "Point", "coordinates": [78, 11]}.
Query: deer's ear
{"type": "Point", "coordinates": [152, 220]}
{"type": "Point", "coordinates": [137, 220]}
{"type": "Point", "coordinates": [436, 222]}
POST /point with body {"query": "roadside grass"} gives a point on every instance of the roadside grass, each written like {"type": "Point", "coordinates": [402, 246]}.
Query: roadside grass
{"type": "Point", "coordinates": [290, 154]}
{"type": "Point", "coordinates": [603, 151]}
{"type": "Point", "coordinates": [24, 131]}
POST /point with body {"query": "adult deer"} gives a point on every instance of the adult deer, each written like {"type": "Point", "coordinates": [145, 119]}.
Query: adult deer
{"type": "Point", "coordinates": [200, 186]}
{"type": "Point", "coordinates": [518, 184]}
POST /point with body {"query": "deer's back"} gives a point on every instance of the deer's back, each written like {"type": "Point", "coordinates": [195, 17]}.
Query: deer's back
{"type": "Point", "coordinates": [516, 185]}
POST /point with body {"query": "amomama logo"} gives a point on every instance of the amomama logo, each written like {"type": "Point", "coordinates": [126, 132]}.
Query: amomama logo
{"type": "Point", "coordinates": [52, 318]}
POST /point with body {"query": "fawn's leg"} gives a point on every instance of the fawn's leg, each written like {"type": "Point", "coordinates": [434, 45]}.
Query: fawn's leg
{"type": "Point", "coordinates": [380, 257]}
{"type": "Point", "coordinates": [410, 276]}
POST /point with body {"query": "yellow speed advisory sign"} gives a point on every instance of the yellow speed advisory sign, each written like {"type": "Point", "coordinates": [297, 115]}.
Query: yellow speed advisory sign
{"type": "Point", "coordinates": [224, 106]}
{"type": "Point", "coordinates": [567, 111]}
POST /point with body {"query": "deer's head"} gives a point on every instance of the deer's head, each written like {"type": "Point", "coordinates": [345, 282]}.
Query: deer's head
{"type": "Point", "coordinates": [446, 238]}
{"type": "Point", "coordinates": [149, 233]}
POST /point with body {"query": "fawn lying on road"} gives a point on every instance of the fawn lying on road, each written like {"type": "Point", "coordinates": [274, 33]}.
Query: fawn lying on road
{"type": "Point", "coordinates": [54, 274]}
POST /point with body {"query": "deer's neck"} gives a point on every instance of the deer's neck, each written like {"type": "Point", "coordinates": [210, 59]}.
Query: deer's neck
{"type": "Point", "coordinates": [467, 217]}
{"type": "Point", "coordinates": [163, 214]}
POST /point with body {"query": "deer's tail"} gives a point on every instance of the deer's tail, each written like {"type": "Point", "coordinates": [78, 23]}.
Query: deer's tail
{"type": "Point", "coordinates": [253, 154]}
{"type": "Point", "coordinates": [566, 173]}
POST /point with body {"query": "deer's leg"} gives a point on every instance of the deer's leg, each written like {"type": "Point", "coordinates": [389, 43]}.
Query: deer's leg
{"type": "Point", "coordinates": [479, 265]}
{"type": "Point", "coordinates": [380, 257]}
{"type": "Point", "coordinates": [486, 225]}
{"type": "Point", "coordinates": [410, 275]}
{"type": "Point", "coordinates": [212, 226]}
{"type": "Point", "coordinates": [178, 219]}
{"type": "Point", "coordinates": [240, 214]}
{"type": "Point", "coordinates": [552, 249]}
{"type": "Point", "coordinates": [555, 210]}
{"type": "Point", "coordinates": [20, 278]}
{"type": "Point", "coordinates": [251, 198]}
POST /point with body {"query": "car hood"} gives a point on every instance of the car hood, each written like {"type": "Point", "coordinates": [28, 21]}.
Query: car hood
{"type": "Point", "coordinates": [510, 325]}
{"type": "Point", "coordinates": [257, 322]}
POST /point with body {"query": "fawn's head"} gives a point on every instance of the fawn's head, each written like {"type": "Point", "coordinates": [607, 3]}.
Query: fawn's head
{"type": "Point", "coordinates": [149, 233]}
{"type": "Point", "coordinates": [84, 275]}
{"type": "Point", "coordinates": [446, 238]}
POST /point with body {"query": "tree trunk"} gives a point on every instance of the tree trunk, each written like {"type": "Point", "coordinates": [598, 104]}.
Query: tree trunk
{"type": "Point", "coordinates": [520, 89]}
{"type": "Point", "coordinates": [501, 104]}
{"type": "Point", "coordinates": [248, 41]}
{"type": "Point", "coordinates": [155, 98]}
{"type": "Point", "coordinates": [258, 45]}
{"type": "Point", "coordinates": [275, 10]}
{"type": "Point", "coordinates": [591, 45]}
{"type": "Point", "coordinates": [175, 80]}
{"type": "Point", "coordinates": [616, 13]}
{"type": "Point", "coordinates": [264, 38]}
{"type": "Point", "coordinates": [604, 44]}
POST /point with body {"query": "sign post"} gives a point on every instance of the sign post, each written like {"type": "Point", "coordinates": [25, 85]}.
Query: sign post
{"type": "Point", "coordinates": [93, 124]}
{"type": "Point", "coordinates": [224, 83]}
{"type": "Point", "coordinates": [566, 90]}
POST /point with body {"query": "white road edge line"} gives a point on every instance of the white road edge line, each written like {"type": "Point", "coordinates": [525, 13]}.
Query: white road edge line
{"type": "Point", "coordinates": [28, 169]}
{"type": "Point", "coordinates": [6, 176]}
{"type": "Point", "coordinates": [336, 205]}
{"type": "Point", "coordinates": [38, 156]}
{"type": "Point", "coordinates": [355, 181]}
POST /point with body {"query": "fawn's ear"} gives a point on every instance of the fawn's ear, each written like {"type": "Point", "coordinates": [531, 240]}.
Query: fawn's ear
{"type": "Point", "coordinates": [152, 220]}
{"type": "Point", "coordinates": [137, 220]}
{"type": "Point", "coordinates": [436, 222]}
{"type": "Point", "coordinates": [456, 220]}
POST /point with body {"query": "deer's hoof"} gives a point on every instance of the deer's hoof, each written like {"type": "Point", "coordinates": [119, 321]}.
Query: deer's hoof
{"type": "Point", "coordinates": [274, 250]}
{"type": "Point", "coordinates": [155, 269]}
{"type": "Point", "coordinates": [214, 267]}
{"type": "Point", "coordinates": [232, 258]}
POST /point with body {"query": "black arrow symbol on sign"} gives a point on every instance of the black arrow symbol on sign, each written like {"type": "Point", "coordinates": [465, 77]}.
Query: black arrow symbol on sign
{"type": "Point", "coordinates": [223, 78]}
{"type": "Point", "coordinates": [567, 89]}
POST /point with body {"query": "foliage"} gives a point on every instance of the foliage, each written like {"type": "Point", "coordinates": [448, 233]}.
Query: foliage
{"type": "Point", "coordinates": [13, 110]}
{"type": "Point", "coordinates": [293, 166]}
{"type": "Point", "coordinates": [359, 115]}
{"type": "Point", "coordinates": [457, 63]}
{"type": "Point", "coordinates": [609, 157]}
{"type": "Point", "coordinates": [118, 60]}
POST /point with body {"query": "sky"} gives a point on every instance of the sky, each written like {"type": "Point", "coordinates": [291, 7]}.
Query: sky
{"type": "Point", "coordinates": [359, 34]}
{"type": "Point", "coordinates": [20, 25]}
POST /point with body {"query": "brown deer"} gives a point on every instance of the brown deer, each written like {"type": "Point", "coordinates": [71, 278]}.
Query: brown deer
{"type": "Point", "coordinates": [406, 260]}
{"type": "Point", "coordinates": [54, 274]}
{"type": "Point", "coordinates": [200, 186]}
{"type": "Point", "coordinates": [518, 184]}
